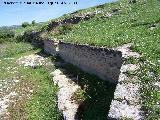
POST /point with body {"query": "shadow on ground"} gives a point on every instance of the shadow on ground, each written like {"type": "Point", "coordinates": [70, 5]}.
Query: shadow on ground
{"type": "Point", "coordinates": [99, 93]}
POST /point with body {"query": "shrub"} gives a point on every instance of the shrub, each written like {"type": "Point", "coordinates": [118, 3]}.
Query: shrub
{"type": "Point", "coordinates": [33, 22]}
{"type": "Point", "coordinates": [65, 28]}
{"type": "Point", "coordinates": [19, 38]}
{"type": "Point", "coordinates": [6, 35]}
{"type": "Point", "coordinates": [44, 27]}
{"type": "Point", "coordinates": [25, 24]}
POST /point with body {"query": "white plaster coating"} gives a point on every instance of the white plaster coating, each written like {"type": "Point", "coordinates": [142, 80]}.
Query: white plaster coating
{"type": "Point", "coordinates": [103, 62]}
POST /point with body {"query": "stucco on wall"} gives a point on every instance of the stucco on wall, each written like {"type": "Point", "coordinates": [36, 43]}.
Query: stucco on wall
{"type": "Point", "coordinates": [50, 47]}
{"type": "Point", "coordinates": [103, 62]}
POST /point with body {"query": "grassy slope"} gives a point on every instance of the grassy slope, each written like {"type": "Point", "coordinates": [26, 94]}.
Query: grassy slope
{"type": "Point", "coordinates": [40, 104]}
{"type": "Point", "coordinates": [133, 23]}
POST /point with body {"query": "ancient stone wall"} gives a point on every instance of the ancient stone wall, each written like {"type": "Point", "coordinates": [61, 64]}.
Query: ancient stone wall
{"type": "Point", "coordinates": [103, 62]}
{"type": "Point", "coordinates": [34, 38]}
{"type": "Point", "coordinates": [50, 47]}
{"type": "Point", "coordinates": [72, 20]}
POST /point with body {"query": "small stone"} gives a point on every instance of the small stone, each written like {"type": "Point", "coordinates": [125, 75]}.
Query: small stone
{"type": "Point", "coordinates": [126, 52]}
{"type": "Point", "coordinates": [157, 84]}
{"type": "Point", "coordinates": [129, 67]}
{"type": "Point", "coordinates": [31, 91]}
{"type": "Point", "coordinates": [31, 60]}
{"type": "Point", "coordinates": [16, 81]}
{"type": "Point", "coordinates": [129, 92]}
{"type": "Point", "coordinates": [150, 74]}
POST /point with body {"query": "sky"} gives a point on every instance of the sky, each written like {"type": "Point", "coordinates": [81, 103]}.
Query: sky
{"type": "Point", "coordinates": [18, 13]}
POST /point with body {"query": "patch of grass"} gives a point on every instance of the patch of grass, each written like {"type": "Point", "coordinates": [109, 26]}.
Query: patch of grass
{"type": "Point", "coordinates": [6, 35]}
{"type": "Point", "coordinates": [64, 29]}
{"type": "Point", "coordinates": [79, 96]}
{"type": "Point", "coordinates": [11, 48]}
{"type": "Point", "coordinates": [43, 104]}
{"type": "Point", "coordinates": [37, 27]}
{"type": "Point", "coordinates": [149, 75]}
{"type": "Point", "coordinates": [131, 60]}
{"type": "Point", "coordinates": [36, 93]}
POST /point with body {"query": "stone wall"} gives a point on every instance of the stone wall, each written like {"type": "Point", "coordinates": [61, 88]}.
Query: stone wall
{"type": "Point", "coordinates": [72, 20]}
{"type": "Point", "coordinates": [103, 62]}
{"type": "Point", "coordinates": [50, 47]}
{"type": "Point", "coordinates": [34, 38]}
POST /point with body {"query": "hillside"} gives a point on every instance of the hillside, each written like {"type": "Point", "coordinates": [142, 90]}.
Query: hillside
{"type": "Point", "coordinates": [109, 25]}
{"type": "Point", "coordinates": [118, 23]}
{"type": "Point", "coordinates": [12, 27]}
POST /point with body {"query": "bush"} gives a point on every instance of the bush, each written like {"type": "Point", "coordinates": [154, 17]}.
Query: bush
{"type": "Point", "coordinates": [6, 35]}
{"type": "Point", "coordinates": [25, 24]}
{"type": "Point", "coordinates": [3, 40]}
{"type": "Point", "coordinates": [65, 28]}
{"type": "Point", "coordinates": [19, 38]}
{"type": "Point", "coordinates": [44, 27]}
{"type": "Point", "coordinates": [33, 22]}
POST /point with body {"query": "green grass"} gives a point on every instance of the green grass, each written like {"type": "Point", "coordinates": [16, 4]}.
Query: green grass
{"type": "Point", "coordinates": [137, 23]}
{"type": "Point", "coordinates": [150, 92]}
{"type": "Point", "coordinates": [10, 49]}
{"type": "Point", "coordinates": [131, 25]}
{"type": "Point", "coordinates": [36, 27]}
{"type": "Point", "coordinates": [41, 103]}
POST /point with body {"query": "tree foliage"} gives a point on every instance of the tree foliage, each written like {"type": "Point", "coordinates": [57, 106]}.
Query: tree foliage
{"type": "Point", "coordinates": [33, 22]}
{"type": "Point", "coordinates": [7, 33]}
{"type": "Point", "coordinates": [25, 24]}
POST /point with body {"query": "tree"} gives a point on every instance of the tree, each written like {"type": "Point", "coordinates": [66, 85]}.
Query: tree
{"type": "Point", "coordinates": [25, 24]}
{"type": "Point", "coordinates": [33, 22]}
